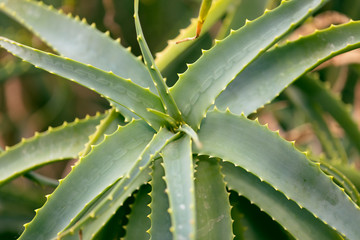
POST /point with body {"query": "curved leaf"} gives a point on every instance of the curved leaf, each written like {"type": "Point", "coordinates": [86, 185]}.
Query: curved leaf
{"type": "Point", "coordinates": [272, 159]}
{"type": "Point", "coordinates": [91, 223]}
{"type": "Point", "coordinates": [267, 76]}
{"type": "Point", "coordinates": [120, 90]}
{"type": "Point", "coordinates": [160, 218]}
{"type": "Point", "coordinates": [159, 82]}
{"type": "Point", "coordinates": [179, 177]}
{"type": "Point", "coordinates": [107, 126]}
{"type": "Point", "coordinates": [351, 172]}
{"type": "Point", "coordinates": [92, 175]}
{"type": "Point", "coordinates": [210, 74]}
{"type": "Point", "coordinates": [213, 219]}
{"type": "Point", "coordinates": [342, 180]}
{"type": "Point", "coordinates": [139, 222]}
{"type": "Point", "coordinates": [297, 221]}
{"type": "Point", "coordinates": [77, 40]}
{"type": "Point", "coordinates": [252, 223]}
{"type": "Point", "coordinates": [64, 142]}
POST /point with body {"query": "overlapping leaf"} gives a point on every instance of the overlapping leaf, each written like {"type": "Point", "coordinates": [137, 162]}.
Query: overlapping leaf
{"type": "Point", "coordinates": [89, 178]}
{"type": "Point", "coordinates": [75, 39]}
{"type": "Point", "coordinates": [286, 212]}
{"type": "Point", "coordinates": [120, 90]}
{"type": "Point", "coordinates": [64, 142]}
{"type": "Point", "coordinates": [91, 223]}
{"type": "Point", "coordinates": [213, 218]}
{"type": "Point", "coordinates": [209, 76]}
{"type": "Point", "coordinates": [266, 77]}
{"type": "Point", "coordinates": [266, 155]}
{"type": "Point", "coordinates": [179, 179]}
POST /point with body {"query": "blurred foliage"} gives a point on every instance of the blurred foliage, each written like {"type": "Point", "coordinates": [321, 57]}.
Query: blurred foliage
{"type": "Point", "coordinates": [31, 99]}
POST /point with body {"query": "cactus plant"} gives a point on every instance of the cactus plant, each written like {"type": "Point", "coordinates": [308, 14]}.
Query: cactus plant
{"type": "Point", "coordinates": [183, 155]}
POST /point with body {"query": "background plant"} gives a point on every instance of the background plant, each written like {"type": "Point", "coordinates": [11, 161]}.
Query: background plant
{"type": "Point", "coordinates": [106, 176]}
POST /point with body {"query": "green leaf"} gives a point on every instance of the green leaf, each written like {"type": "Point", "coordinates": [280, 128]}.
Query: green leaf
{"type": "Point", "coordinates": [240, 11]}
{"type": "Point", "coordinates": [77, 40]}
{"type": "Point", "coordinates": [342, 180]}
{"type": "Point", "coordinates": [172, 51]}
{"type": "Point", "coordinates": [204, 80]}
{"type": "Point", "coordinates": [118, 222]}
{"type": "Point", "coordinates": [107, 126]}
{"type": "Point", "coordinates": [122, 91]}
{"type": "Point", "coordinates": [41, 180]}
{"type": "Point", "coordinates": [189, 131]}
{"type": "Point", "coordinates": [267, 76]}
{"type": "Point", "coordinates": [139, 222]}
{"type": "Point", "coordinates": [272, 159]}
{"type": "Point", "coordinates": [179, 177]}
{"type": "Point", "coordinates": [351, 172]}
{"type": "Point", "coordinates": [99, 215]}
{"type": "Point", "coordinates": [134, 178]}
{"type": "Point", "coordinates": [169, 121]}
{"type": "Point", "coordinates": [252, 223]}
{"type": "Point", "coordinates": [56, 144]}
{"type": "Point", "coordinates": [159, 82]}
{"type": "Point", "coordinates": [92, 175]}
{"type": "Point", "coordinates": [160, 218]}
{"type": "Point", "coordinates": [93, 203]}
{"type": "Point", "coordinates": [213, 219]}
{"type": "Point", "coordinates": [293, 218]}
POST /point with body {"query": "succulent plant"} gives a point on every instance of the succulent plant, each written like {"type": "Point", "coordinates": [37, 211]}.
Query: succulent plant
{"type": "Point", "coordinates": [175, 165]}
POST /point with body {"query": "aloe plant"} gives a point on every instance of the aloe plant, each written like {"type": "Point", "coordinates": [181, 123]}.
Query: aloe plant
{"type": "Point", "coordinates": [192, 143]}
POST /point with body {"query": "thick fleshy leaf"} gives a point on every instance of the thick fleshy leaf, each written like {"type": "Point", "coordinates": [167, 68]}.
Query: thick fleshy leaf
{"type": "Point", "coordinates": [267, 76]}
{"type": "Point", "coordinates": [118, 221]}
{"type": "Point", "coordinates": [160, 218]}
{"type": "Point", "coordinates": [342, 181]}
{"type": "Point", "coordinates": [94, 219]}
{"type": "Point", "coordinates": [204, 80]}
{"type": "Point", "coordinates": [77, 40]}
{"type": "Point", "coordinates": [263, 153]}
{"type": "Point", "coordinates": [297, 221]}
{"type": "Point", "coordinates": [120, 90]}
{"type": "Point", "coordinates": [213, 219]}
{"type": "Point", "coordinates": [252, 223]}
{"type": "Point", "coordinates": [139, 222]}
{"type": "Point", "coordinates": [351, 172]}
{"type": "Point", "coordinates": [107, 126]}
{"type": "Point", "coordinates": [61, 143]}
{"type": "Point", "coordinates": [178, 164]}
{"type": "Point", "coordinates": [92, 222]}
{"type": "Point", "coordinates": [94, 173]}
{"type": "Point", "coordinates": [159, 82]}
